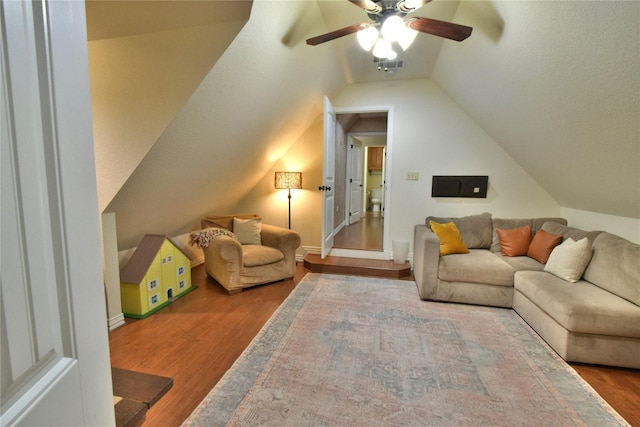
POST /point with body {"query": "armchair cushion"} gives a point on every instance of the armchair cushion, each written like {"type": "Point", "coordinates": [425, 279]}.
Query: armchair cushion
{"type": "Point", "coordinates": [254, 255]}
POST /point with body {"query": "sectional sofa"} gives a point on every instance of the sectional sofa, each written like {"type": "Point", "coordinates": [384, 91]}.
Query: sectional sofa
{"type": "Point", "coordinates": [593, 317]}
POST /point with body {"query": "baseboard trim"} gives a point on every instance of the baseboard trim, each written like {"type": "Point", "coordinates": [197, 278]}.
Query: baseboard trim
{"type": "Point", "coordinates": [197, 261]}
{"type": "Point", "coordinates": [116, 321]}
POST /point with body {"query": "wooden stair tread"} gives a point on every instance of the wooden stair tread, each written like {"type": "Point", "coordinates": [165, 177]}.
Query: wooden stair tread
{"type": "Point", "coordinates": [139, 392]}
{"type": "Point", "coordinates": [356, 266]}
{"type": "Point", "coordinates": [130, 413]}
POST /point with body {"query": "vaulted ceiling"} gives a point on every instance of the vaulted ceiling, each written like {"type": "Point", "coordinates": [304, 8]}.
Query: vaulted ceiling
{"type": "Point", "coordinates": [555, 84]}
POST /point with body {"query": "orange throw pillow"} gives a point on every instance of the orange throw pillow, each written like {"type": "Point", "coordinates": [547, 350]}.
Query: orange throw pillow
{"type": "Point", "coordinates": [542, 245]}
{"type": "Point", "coordinates": [450, 239]}
{"type": "Point", "coordinates": [515, 242]}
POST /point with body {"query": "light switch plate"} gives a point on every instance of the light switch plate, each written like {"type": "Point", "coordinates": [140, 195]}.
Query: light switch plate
{"type": "Point", "coordinates": [412, 176]}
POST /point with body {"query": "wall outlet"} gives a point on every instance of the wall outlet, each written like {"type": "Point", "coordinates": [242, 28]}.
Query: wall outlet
{"type": "Point", "coordinates": [412, 176]}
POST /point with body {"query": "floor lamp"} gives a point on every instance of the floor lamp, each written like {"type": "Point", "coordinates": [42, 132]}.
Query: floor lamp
{"type": "Point", "coordinates": [288, 180]}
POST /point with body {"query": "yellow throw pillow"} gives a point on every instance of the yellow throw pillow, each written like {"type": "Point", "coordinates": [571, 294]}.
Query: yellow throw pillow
{"type": "Point", "coordinates": [450, 239]}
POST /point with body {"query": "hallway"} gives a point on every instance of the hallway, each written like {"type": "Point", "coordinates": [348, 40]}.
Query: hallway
{"type": "Point", "coordinates": [365, 234]}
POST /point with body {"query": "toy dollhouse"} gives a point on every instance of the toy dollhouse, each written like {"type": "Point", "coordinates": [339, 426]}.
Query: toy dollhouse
{"type": "Point", "coordinates": [157, 273]}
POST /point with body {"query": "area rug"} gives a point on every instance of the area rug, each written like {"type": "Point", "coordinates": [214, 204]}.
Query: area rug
{"type": "Point", "coordinates": [359, 351]}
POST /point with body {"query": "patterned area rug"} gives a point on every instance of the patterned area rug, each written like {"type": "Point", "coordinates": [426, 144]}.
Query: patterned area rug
{"type": "Point", "coordinates": [355, 351]}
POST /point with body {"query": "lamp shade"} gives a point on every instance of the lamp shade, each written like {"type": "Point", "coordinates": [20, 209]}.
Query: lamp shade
{"type": "Point", "coordinates": [288, 180]}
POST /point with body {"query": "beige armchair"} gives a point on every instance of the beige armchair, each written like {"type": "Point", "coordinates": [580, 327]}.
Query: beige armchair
{"type": "Point", "coordinates": [252, 255]}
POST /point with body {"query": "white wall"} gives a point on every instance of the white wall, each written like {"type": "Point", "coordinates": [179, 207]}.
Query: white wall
{"type": "Point", "coordinates": [431, 135]}
{"type": "Point", "coordinates": [628, 228]}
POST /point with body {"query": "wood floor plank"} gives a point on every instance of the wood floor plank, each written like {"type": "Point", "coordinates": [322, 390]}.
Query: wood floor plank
{"type": "Point", "coordinates": [197, 338]}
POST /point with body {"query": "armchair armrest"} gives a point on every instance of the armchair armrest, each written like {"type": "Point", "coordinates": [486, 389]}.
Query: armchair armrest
{"type": "Point", "coordinates": [223, 260]}
{"type": "Point", "coordinates": [426, 261]}
{"type": "Point", "coordinates": [285, 240]}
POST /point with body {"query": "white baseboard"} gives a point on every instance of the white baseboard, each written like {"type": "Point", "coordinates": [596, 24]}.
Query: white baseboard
{"type": "Point", "coordinates": [116, 321]}
{"type": "Point", "coordinates": [197, 261]}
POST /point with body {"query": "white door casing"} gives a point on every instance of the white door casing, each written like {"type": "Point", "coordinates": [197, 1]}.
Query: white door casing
{"type": "Point", "coordinates": [54, 359]}
{"type": "Point", "coordinates": [328, 177]}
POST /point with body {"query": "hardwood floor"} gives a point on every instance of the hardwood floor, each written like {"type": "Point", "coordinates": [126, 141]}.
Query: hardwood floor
{"type": "Point", "coordinates": [197, 338]}
{"type": "Point", "coordinates": [365, 234]}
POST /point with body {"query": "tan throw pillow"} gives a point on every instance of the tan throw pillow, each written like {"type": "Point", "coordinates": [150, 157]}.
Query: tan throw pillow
{"type": "Point", "coordinates": [569, 260]}
{"type": "Point", "coordinates": [450, 239]}
{"type": "Point", "coordinates": [248, 230]}
{"type": "Point", "coordinates": [515, 242]}
{"type": "Point", "coordinates": [542, 245]}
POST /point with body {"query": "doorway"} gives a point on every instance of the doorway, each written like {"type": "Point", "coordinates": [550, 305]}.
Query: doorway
{"type": "Point", "coordinates": [340, 124]}
{"type": "Point", "coordinates": [363, 228]}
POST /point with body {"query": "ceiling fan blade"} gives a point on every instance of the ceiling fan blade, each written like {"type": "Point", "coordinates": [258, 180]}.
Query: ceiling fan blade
{"type": "Point", "coordinates": [368, 5]}
{"type": "Point", "coordinates": [313, 41]}
{"type": "Point", "coordinates": [447, 30]}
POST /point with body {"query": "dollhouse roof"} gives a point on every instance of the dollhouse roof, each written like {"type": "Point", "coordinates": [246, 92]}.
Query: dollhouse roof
{"type": "Point", "coordinates": [143, 257]}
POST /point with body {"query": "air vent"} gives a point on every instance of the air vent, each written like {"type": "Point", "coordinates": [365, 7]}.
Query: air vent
{"type": "Point", "coordinates": [388, 66]}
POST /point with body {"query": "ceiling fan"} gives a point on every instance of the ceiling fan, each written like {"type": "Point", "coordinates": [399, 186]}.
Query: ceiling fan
{"type": "Point", "coordinates": [388, 16]}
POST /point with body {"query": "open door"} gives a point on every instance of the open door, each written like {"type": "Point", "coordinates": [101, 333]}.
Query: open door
{"type": "Point", "coordinates": [328, 177]}
{"type": "Point", "coordinates": [355, 181]}
{"type": "Point", "coordinates": [54, 351]}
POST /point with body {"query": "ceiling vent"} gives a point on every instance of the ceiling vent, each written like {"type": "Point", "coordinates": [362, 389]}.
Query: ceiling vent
{"type": "Point", "coordinates": [388, 66]}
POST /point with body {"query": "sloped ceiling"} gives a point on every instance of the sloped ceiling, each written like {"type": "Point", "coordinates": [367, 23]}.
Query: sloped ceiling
{"type": "Point", "coordinates": [559, 89]}
{"type": "Point", "coordinates": [554, 83]}
{"type": "Point", "coordinates": [145, 60]}
{"type": "Point", "coordinates": [259, 97]}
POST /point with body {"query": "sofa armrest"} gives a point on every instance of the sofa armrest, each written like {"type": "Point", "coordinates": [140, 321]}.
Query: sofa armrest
{"type": "Point", "coordinates": [285, 240]}
{"type": "Point", "coordinates": [426, 260]}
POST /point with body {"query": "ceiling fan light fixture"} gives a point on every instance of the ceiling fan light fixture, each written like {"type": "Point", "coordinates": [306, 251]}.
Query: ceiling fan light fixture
{"type": "Point", "coordinates": [392, 28]}
{"type": "Point", "coordinates": [407, 37]}
{"type": "Point", "coordinates": [383, 49]}
{"type": "Point", "coordinates": [367, 37]}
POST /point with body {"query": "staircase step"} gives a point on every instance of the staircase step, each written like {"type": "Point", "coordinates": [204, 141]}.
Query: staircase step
{"type": "Point", "coordinates": [356, 266]}
{"type": "Point", "coordinates": [138, 392]}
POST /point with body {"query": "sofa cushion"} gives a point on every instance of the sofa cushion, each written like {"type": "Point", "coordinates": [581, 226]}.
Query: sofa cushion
{"type": "Point", "coordinates": [450, 239]}
{"type": "Point", "coordinates": [255, 255]}
{"type": "Point", "coordinates": [580, 307]}
{"type": "Point", "coordinates": [568, 260]}
{"type": "Point", "coordinates": [542, 244]}
{"type": "Point", "coordinates": [514, 242]}
{"type": "Point", "coordinates": [508, 223]}
{"type": "Point", "coordinates": [570, 232]}
{"type": "Point", "coordinates": [248, 230]}
{"type": "Point", "coordinates": [478, 266]}
{"type": "Point", "coordinates": [519, 263]}
{"type": "Point", "coordinates": [615, 266]}
{"type": "Point", "coordinates": [474, 229]}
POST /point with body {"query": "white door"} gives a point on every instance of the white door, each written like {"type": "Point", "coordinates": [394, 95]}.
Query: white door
{"type": "Point", "coordinates": [355, 181]}
{"type": "Point", "coordinates": [54, 351]}
{"type": "Point", "coordinates": [328, 178]}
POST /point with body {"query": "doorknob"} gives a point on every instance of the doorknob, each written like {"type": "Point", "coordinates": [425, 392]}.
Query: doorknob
{"type": "Point", "coordinates": [323, 188]}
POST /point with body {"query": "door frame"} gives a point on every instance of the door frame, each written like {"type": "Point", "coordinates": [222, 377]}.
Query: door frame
{"type": "Point", "coordinates": [386, 253]}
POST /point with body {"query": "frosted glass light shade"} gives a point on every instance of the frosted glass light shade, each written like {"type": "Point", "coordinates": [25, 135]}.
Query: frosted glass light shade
{"type": "Point", "coordinates": [367, 37]}
{"type": "Point", "coordinates": [288, 180]}
{"type": "Point", "coordinates": [392, 28]}
{"type": "Point", "coordinates": [383, 49]}
{"type": "Point", "coordinates": [407, 36]}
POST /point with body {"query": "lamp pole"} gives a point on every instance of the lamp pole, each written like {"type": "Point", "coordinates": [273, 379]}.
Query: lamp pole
{"type": "Point", "coordinates": [289, 197]}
